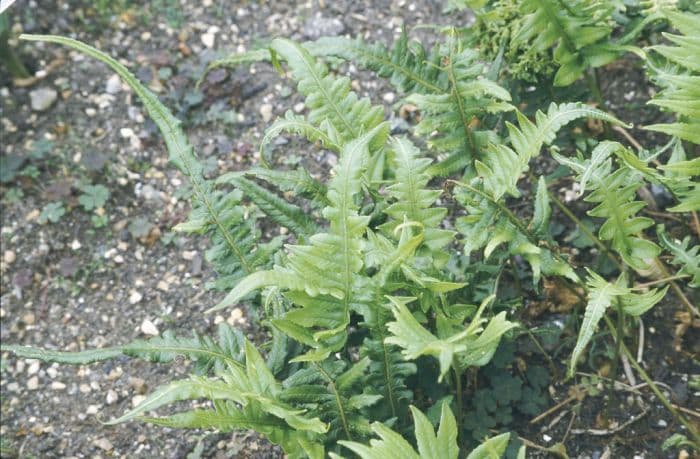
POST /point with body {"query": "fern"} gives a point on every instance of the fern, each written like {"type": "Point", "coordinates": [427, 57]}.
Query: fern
{"type": "Point", "coordinates": [614, 193]}
{"type": "Point", "coordinates": [412, 201]}
{"type": "Point", "coordinates": [578, 31]}
{"type": "Point", "coordinates": [327, 296]}
{"type": "Point", "coordinates": [335, 394]}
{"type": "Point", "coordinates": [445, 83]}
{"type": "Point", "coordinates": [277, 209]}
{"type": "Point", "coordinates": [681, 81]}
{"type": "Point", "coordinates": [442, 445]}
{"type": "Point", "coordinates": [473, 346]}
{"type": "Point", "coordinates": [688, 258]}
{"type": "Point", "coordinates": [503, 166]}
{"type": "Point", "coordinates": [331, 103]}
{"type": "Point", "coordinates": [601, 295]}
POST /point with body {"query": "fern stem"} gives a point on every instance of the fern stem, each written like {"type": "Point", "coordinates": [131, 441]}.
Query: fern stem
{"type": "Point", "coordinates": [654, 388]}
{"type": "Point", "coordinates": [460, 399]}
{"type": "Point", "coordinates": [338, 401]}
{"type": "Point", "coordinates": [388, 377]}
{"type": "Point", "coordinates": [460, 103]}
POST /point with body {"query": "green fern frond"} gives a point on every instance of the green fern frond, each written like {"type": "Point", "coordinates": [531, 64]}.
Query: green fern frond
{"type": "Point", "coordinates": [688, 258]}
{"type": "Point", "coordinates": [445, 83]}
{"type": "Point", "coordinates": [297, 181]}
{"type": "Point", "coordinates": [322, 278]}
{"type": "Point", "coordinates": [614, 193]}
{"type": "Point", "coordinates": [680, 81]}
{"type": "Point", "coordinates": [297, 124]}
{"type": "Point", "coordinates": [489, 224]}
{"type": "Point", "coordinates": [578, 31]}
{"type": "Point", "coordinates": [502, 167]}
{"type": "Point", "coordinates": [329, 99]}
{"type": "Point", "coordinates": [442, 445]}
{"type": "Point", "coordinates": [407, 65]}
{"type": "Point", "coordinates": [277, 209]}
{"type": "Point", "coordinates": [413, 202]}
{"type": "Point", "coordinates": [601, 295]}
{"type": "Point", "coordinates": [473, 346]}
{"type": "Point", "coordinates": [336, 394]}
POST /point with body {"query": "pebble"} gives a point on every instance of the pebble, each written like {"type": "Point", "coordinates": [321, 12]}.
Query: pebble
{"type": "Point", "coordinates": [41, 99]}
{"type": "Point", "coordinates": [104, 444]}
{"type": "Point", "coordinates": [9, 256]}
{"type": "Point", "coordinates": [119, 259]}
{"type": "Point", "coordinates": [389, 97]}
{"type": "Point", "coordinates": [52, 372]}
{"type": "Point", "coordinates": [208, 39]}
{"type": "Point", "coordinates": [137, 400]}
{"type": "Point", "coordinates": [189, 254]}
{"type": "Point", "coordinates": [33, 368]}
{"type": "Point", "coordinates": [149, 328]}
{"type": "Point", "coordinates": [135, 297]}
{"type": "Point", "coordinates": [92, 409]}
{"type": "Point", "coordinates": [57, 385]}
{"type": "Point", "coordinates": [299, 107]}
{"type": "Point", "coordinates": [113, 85]}
{"type": "Point", "coordinates": [163, 286]}
{"type": "Point", "coordinates": [85, 389]}
{"type": "Point", "coordinates": [266, 112]}
{"type": "Point", "coordinates": [33, 383]}
{"type": "Point", "coordinates": [75, 245]}
{"type": "Point", "coordinates": [112, 397]}
{"type": "Point", "coordinates": [29, 318]}
{"type": "Point", "coordinates": [662, 423]}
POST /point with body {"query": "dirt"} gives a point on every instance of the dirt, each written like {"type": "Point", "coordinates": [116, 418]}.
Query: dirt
{"type": "Point", "coordinates": [72, 285]}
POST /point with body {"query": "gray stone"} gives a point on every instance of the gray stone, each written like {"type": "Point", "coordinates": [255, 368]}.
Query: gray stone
{"type": "Point", "coordinates": [41, 99]}
{"type": "Point", "coordinates": [318, 26]}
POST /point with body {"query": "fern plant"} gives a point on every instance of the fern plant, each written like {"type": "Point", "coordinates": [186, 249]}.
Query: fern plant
{"type": "Point", "coordinates": [379, 291]}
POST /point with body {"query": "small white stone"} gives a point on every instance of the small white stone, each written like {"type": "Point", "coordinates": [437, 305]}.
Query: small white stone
{"type": "Point", "coordinates": [90, 111]}
{"type": "Point", "coordinates": [389, 97]}
{"type": "Point", "coordinates": [266, 112]}
{"type": "Point", "coordinates": [52, 372]}
{"type": "Point", "coordinates": [41, 99]}
{"type": "Point", "coordinates": [299, 107]}
{"type": "Point", "coordinates": [9, 257]}
{"type": "Point", "coordinates": [137, 399]}
{"type": "Point", "coordinates": [75, 245]}
{"type": "Point", "coordinates": [189, 254]}
{"type": "Point", "coordinates": [127, 133]}
{"type": "Point", "coordinates": [662, 423]}
{"type": "Point", "coordinates": [113, 85]}
{"type": "Point", "coordinates": [163, 286]}
{"type": "Point", "coordinates": [33, 368]}
{"type": "Point", "coordinates": [104, 444]}
{"type": "Point", "coordinates": [208, 39]}
{"type": "Point", "coordinates": [135, 297]}
{"type": "Point", "coordinates": [57, 385]}
{"type": "Point", "coordinates": [92, 409]}
{"type": "Point", "coordinates": [149, 328]}
{"type": "Point", "coordinates": [119, 259]}
{"type": "Point", "coordinates": [84, 389]}
{"type": "Point", "coordinates": [33, 383]}
{"type": "Point", "coordinates": [112, 397]}
{"type": "Point", "coordinates": [546, 438]}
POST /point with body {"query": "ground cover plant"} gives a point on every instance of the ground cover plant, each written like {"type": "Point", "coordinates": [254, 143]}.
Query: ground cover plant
{"type": "Point", "coordinates": [390, 289]}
